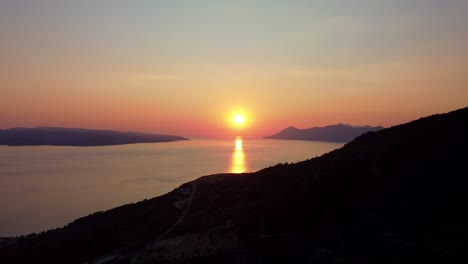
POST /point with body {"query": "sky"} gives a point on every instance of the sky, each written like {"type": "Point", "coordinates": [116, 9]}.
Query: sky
{"type": "Point", "coordinates": [185, 67]}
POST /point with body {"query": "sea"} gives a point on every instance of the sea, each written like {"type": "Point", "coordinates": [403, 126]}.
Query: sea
{"type": "Point", "coordinates": [46, 187]}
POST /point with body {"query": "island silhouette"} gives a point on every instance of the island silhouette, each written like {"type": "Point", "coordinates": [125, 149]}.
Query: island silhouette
{"type": "Point", "coordinates": [397, 195]}
{"type": "Point", "coordinates": [56, 136]}
{"type": "Point", "coordinates": [333, 133]}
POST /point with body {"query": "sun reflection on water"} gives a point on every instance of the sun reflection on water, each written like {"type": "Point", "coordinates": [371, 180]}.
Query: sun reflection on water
{"type": "Point", "coordinates": [238, 164]}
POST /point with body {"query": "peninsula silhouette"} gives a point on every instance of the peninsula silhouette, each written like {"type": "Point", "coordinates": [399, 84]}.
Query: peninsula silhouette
{"type": "Point", "coordinates": [334, 133]}
{"type": "Point", "coordinates": [56, 136]}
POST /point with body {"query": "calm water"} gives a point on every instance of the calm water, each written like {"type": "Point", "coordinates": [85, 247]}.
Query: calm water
{"type": "Point", "coordinates": [46, 187]}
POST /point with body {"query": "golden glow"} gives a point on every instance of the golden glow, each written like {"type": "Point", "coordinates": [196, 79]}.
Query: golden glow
{"type": "Point", "coordinates": [238, 144]}
{"type": "Point", "coordinates": [239, 119]}
{"type": "Point", "coordinates": [238, 164]}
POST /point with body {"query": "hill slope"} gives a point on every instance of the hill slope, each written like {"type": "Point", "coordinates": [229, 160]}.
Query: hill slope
{"type": "Point", "coordinates": [334, 133]}
{"type": "Point", "coordinates": [76, 137]}
{"type": "Point", "coordinates": [393, 196]}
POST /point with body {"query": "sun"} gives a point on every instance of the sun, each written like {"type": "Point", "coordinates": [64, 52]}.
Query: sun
{"type": "Point", "coordinates": [239, 119]}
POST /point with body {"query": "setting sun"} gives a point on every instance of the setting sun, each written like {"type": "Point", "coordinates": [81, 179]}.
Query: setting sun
{"type": "Point", "coordinates": [216, 131]}
{"type": "Point", "coordinates": [239, 119]}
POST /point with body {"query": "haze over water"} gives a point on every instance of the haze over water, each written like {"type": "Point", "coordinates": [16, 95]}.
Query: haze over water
{"type": "Point", "coordinates": [44, 187]}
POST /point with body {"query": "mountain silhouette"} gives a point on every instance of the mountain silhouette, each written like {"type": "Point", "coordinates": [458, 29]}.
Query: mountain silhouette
{"type": "Point", "coordinates": [397, 195]}
{"type": "Point", "coordinates": [334, 133]}
{"type": "Point", "coordinates": [55, 136]}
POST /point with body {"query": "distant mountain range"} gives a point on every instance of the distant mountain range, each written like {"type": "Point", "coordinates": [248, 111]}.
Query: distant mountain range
{"type": "Point", "coordinates": [333, 133]}
{"type": "Point", "coordinates": [56, 136]}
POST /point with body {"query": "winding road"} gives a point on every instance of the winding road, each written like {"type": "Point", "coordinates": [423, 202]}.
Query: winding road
{"type": "Point", "coordinates": [181, 218]}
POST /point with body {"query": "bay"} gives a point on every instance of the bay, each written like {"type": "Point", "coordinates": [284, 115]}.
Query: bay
{"type": "Point", "coordinates": [45, 187]}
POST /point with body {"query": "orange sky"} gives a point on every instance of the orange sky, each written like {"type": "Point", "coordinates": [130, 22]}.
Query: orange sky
{"type": "Point", "coordinates": [183, 69]}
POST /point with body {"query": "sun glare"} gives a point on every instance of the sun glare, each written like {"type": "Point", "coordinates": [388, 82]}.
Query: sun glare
{"type": "Point", "coordinates": [239, 119]}
{"type": "Point", "coordinates": [238, 162]}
